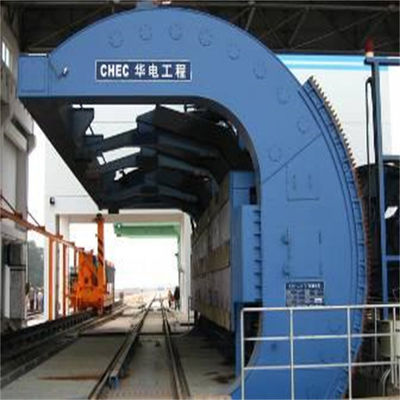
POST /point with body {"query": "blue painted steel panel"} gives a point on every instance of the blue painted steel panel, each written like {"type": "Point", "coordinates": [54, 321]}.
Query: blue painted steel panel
{"type": "Point", "coordinates": [33, 74]}
{"type": "Point", "coordinates": [246, 249]}
{"type": "Point", "coordinates": [243, 230]}
{"type": "Point", "coordinates": [303, 173]}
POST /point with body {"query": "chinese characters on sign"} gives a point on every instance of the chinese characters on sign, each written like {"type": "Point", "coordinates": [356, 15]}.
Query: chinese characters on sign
{"type": "Point", "coordinates": [143, 70]}
{"type": "Point", "coordinates": [305, 294]}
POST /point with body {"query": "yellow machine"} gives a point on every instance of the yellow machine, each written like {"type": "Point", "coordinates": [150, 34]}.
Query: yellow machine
{"type": "Point", "coordinates": [92, 285]}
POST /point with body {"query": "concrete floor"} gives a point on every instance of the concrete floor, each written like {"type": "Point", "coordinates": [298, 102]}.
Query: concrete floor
{"type": "Point", "coordinates": [152, 324]}
{"type": "Point", "coordinates": [70, 374]}
{"type": "Point", "coordinates": [148, 375]}
{"type": "Point", "coordinates": [120, 325]}
{"type": "Point", "coordinates": [207, 372]}
{"type": "Point", "coordinates": [73, 372]}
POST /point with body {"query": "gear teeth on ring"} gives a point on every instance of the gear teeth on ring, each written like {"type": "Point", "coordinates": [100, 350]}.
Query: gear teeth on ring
{"type": "Point", "coordinates": [344, 139]}
{"type": "Point", "coordinates": [335, 119]}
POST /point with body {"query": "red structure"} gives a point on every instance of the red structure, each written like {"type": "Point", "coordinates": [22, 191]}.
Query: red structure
{"type": "Point", "coordinates": [92, 285]}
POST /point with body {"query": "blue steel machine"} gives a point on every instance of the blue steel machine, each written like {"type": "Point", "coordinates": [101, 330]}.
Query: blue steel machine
{"type": "Point", "coordinates": [260, 163]}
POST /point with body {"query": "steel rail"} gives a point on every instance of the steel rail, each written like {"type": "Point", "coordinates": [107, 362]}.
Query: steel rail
{"type": "Point", "coordinates": [35, 333]}
{"type": "Point", "coordinates": [114, 368]}
{"type": "Point", "coordinates": [123, 354]}
{"type": "Point", "coordinates": [179, 381]}
{"type": "Point", "coordinates": [15, 343]}
{"type": "Point", "coordinates": [39, 351]}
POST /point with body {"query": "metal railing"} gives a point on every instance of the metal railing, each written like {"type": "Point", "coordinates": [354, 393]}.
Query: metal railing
{"type": "Point", "coordinates": [393, 362]}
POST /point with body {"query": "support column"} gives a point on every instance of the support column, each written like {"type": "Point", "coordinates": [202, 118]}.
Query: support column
{"type": "Point", "coordinates": [184, 252]}
{"type": "Point", "coordinates": [51, 226]}
{"type": "Point", "coordinates": [100, 250]}
{"type": "Point", "coordinates": [101, 267]}
{"type": "Point", "coordinates": [2, 272]}
{"type": "Point", "coordinates": [15, 278]}
{"type": "Point", "coordinates": [64, 280]}
{"type": "Point", "coordinates": [75, 269]}
{"type": "Point", "coordinates": [63, 229]}
{"type": "Point", "coordinates": [50, 287]}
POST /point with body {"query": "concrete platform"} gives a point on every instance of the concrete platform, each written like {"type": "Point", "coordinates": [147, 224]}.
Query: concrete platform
{"type": "Point", "coordinates": [70, 374]}
{"type": "Point", "coordinates": [120, 325]}
{"type": "Point", "coordinates": [178, 322]}
{"type": "Point", "coordinates": [148, 375]}
{"type": "Point", "coordinates": [153, 324]}
{"type": "Point", "coordinates": [36, 320]}
{"type": "Point", "coordinates": [73, 372]}
{"type": "Point", "coordinates": [208, 374]}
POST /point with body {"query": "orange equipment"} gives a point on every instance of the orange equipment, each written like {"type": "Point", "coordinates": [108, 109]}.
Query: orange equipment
{"type": "Point", "coordinates": [90, 287]}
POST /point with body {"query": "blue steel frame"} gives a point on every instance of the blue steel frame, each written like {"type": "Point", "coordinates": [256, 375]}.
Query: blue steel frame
{"type": "Point", "coordinates": [310, 214]}
{"type": "Point", "coordinates": [375, 63]}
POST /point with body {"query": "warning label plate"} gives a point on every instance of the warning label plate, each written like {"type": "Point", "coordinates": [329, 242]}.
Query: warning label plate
{"type": "Point", "coordinates": [310, 293]}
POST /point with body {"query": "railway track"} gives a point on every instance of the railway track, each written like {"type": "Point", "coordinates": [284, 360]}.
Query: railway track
{"type": "Point", "coordinates": [23, 350]}
{"type": "Point", "coordinates": [180, 386]}
{"type": "Point", "coordinates": [115, 369]}
{"type": "Point", "coordinates": [172, 382]}
{"type": "Point", "coordinates": [132, 356]}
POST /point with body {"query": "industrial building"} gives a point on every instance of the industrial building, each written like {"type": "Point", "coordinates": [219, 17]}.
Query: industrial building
{"type": "Point", "coordinates": [17, 141]}
{"type": "Point", "coordinates": [261, 138]}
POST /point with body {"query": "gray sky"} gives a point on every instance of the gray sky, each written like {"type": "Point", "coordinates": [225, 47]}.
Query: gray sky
{"type": "Point", "coordinates": [139, 262]}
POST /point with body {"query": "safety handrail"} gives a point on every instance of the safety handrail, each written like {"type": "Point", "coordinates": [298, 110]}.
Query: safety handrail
{"type": "Point", "coordinates": [394, 361]}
